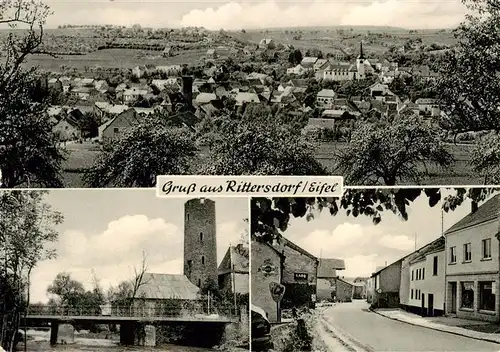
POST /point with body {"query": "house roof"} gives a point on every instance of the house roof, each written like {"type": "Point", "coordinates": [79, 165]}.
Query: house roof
{"type": "Point", "coordinates": [435, 246]}
{"type": "Point", "coordinates": [487, 211]}
{"type": "Point", "coordinates": [243, 97]}
{"type": "Point", "coordinates": [329, 93]}
{"type": "Point", "coordinates": [345, 281]}
{"type": "Point", "coordinates": [288, 243]}
{"type": "Point", "coordinates": [167, 286]}
{"type": "Point", "coordinates": [327, 267]}
{"type": "Point", "coordinates": [203, 98]}
{"type": "Point", "coordinates": [236, 258]}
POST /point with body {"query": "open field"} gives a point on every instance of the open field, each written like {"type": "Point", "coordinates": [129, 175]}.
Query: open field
{"type": "Point", "coordinates": [82, 156]}
{"type": "Point", "coordinates": [376, 40]}
{"type": "Point", "coordinates": [113, 58]}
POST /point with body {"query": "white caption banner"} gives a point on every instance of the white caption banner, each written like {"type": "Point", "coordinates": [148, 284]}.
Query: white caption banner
{"type": "Point", "coordinates": [249, 186]}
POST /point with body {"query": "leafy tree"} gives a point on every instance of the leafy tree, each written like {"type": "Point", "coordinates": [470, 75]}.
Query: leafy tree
{"type": "Point", "coordinates": [469, 84]}
{"type": "Point", "coordinates": [485, 158]}
{"type": "Point", "coordinates": [295, 57]}
{"type": "Point", "coordinates": [68, 291]}
{"type": "Point", "coordinates": [271, 216]}
{"type": "Point", "coordinates": [149, 149]}
{"type": "Point", "coordinates": [392, 152]}
{"type": "Point", "coordinates": [28, 148]}
{"type": "Point", "coordinates": [27, 228]}
{"type": "Point", "coordinates": [253, 148]}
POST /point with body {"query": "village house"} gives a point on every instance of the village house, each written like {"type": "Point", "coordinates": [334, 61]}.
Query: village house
{"type": "Point", "coordinates": [319, 64]}
{"type": "Point", "coordinates": [428, 107]}
{"type": "Point", "coordinates": [327, 273]}
{"type": "Point", "coordinates": [308, 63]}
{"type": "Point", "coordinates": [427, 280]}
{"type": "Point", "coordinates": [299, 275]}
{"type": "Point", "coordinates": [472, 264]}
{"type": "Point", "coordinates": [325, 98]}
{"type": "Point", "coordinates": [233, 270]}
{"type": "Point", "coordinates": [386, 286]}
{"type": "Point", "coordinates": [245, 98]}
{"type": "Point", "coordinates": [55, 84]}
{"type": "Point", "coordinates": [104, 110]}
{"type": "Point", "coordinates": [115, 126]}
{"type": "Point", "coordinates": [267, 267]}
{"type": "Point", "coordinates": [297, 70]}
{"type": "Point", "coordinates": [379, 91]}
{"type": "Point", "coordinates": [67, 129]}
{"type": "Point", "coordinates": [82, 92]}
{"type": "Point", "coordinates": [360, 287]}
{"type": "Point", "coordinates": [204, 98]}
{"type": "Point", "coordinates": [133, 93]}
{"type": "Point", "coordinates": [344, 290]}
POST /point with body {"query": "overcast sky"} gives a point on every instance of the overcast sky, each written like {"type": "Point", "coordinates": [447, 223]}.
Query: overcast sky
{"type": "Point", "coordinates": [365, 246]}
{"type": "Point", "coordinates": [107, 231]}
{"type": "Point", "coordinates": [213, 14]}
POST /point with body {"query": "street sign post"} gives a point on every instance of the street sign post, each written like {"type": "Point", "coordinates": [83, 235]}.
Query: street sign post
{"type": "Point", "coordinates": [277, 292]}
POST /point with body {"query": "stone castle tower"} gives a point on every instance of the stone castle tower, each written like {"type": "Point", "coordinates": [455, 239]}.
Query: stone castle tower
{"type": "Point", "coordinates": [200, 242]}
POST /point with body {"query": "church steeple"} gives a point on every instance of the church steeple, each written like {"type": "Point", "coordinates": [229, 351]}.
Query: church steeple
{"type": "Point", "coordinates": [361, 55]}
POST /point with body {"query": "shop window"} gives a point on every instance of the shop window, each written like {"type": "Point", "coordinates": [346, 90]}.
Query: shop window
{"type": "Point", "coordinates": [487, 296]}
{"type": "Point", "coordinates": [467, 295]}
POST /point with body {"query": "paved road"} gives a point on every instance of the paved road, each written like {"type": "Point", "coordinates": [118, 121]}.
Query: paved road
{"type": "Point", "coordinates": [379, 333]}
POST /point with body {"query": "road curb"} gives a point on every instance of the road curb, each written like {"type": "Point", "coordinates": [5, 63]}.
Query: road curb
{"type": "Point", "coordinates": [436, 329]}
{"type": "Point", "coordinates": [343, 337]}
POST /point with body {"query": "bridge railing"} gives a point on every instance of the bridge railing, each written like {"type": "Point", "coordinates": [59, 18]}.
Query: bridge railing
{"type": "Point", "coordinates": [145, 310]}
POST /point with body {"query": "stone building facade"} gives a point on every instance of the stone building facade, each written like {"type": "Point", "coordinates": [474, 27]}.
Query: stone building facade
{"type": "Point", "coordinates": [267, 266]}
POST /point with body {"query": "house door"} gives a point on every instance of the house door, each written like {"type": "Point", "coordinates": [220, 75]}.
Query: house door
{"type": "Point", "coordinates": [423, 311]}
{"type": "Point", "coordinates": [453, 307]}
{"type": "Point", "coordinates": [430, 305]}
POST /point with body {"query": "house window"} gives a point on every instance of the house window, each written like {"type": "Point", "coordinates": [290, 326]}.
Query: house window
{"type": "Point", "coordinates": [423, 274]}
{"type": "Point", "coordinates": [453, 255]}
{"type": "Point", "coordinates": [486, 296]}
{"type": "Point", "coordinates": [201, 236]}
{"type": "Point", "coordinates": [487, 248]}
{"type": "Point", "coordinates": [203, 259]}
{"type": "Point", "coordinates": [467, 295]}
{"type": "Point", "coordinates": [411, 293]}
{"type": "Point", "coordinates": [412, 275]}
{"type": "Point", "coordinates": [467, 252]}
{"type": "Point", "coordinates": [435, 266]}
{"type": "Point", "coordinates": [115, 130]}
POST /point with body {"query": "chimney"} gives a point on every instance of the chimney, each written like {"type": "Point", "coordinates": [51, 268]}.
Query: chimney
{"type": "Point", "coordinates": [187, 89]}
{"type": "Point", "coordinates": [474, 207]}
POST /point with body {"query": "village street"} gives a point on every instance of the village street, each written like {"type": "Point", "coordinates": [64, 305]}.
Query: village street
{"type": "Point", "coordinates": [365, 330]}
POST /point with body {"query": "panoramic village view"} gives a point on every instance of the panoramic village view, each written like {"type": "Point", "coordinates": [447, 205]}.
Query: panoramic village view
{"type": "Point", "coordinates": [112, 105]}
{"type": "Point", "coordinates": [168, 274]}
{"type": "Point", "coordinates": [345, 283]}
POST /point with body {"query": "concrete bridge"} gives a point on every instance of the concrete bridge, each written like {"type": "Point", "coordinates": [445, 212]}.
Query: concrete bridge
{"type": "Point", "coordinates": [138, 325]}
